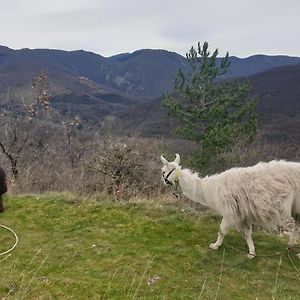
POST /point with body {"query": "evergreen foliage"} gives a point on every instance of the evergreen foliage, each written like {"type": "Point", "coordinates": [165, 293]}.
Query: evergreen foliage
{"type": "Point", "coordinates": [210, 110]}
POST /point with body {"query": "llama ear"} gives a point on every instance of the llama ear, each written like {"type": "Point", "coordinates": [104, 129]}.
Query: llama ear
{"type": "Point", "coordinates": [177, 159]}
{"type": "Point", "coordinates": [163, 160]}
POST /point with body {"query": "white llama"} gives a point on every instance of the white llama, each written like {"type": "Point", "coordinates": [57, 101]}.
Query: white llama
{"type": "Point", "coordinates": [265, 195]}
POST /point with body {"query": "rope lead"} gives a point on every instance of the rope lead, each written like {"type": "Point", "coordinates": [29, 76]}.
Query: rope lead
{"type": "Point", "coordinates": [16, 240]}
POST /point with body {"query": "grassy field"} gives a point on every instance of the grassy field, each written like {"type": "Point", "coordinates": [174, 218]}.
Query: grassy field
{"type": "Point", "coordinates": [99, 249]}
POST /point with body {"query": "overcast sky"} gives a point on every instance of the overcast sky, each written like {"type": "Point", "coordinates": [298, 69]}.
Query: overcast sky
{"type": "Point", "coordinates": [108, 27]}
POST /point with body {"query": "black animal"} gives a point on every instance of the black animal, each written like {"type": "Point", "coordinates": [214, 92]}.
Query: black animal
{"type": "Point", "coordinates": [3, 188]}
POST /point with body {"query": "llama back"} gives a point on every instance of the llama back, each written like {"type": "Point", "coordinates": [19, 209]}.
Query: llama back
{"type": "Point", "coordinates": [266, 194]}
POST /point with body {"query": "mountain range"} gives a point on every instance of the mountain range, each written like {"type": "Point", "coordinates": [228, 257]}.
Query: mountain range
{"type": "Point", "coordinates": [130, 85]}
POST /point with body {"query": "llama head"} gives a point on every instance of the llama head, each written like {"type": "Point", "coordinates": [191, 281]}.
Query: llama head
{"type": "Point", "coordinates": [170, 170]}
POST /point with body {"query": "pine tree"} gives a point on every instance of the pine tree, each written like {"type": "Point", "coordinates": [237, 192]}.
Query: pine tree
{"type": "Point", "coordinates": [210, 110]}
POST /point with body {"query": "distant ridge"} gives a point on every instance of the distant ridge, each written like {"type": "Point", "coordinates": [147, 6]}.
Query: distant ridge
{"type": "Point", "coordinates": [130, 85]}
{"type": "Point", "coordinates": [143, 73]}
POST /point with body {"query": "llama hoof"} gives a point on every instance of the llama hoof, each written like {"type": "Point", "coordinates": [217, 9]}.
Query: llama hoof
{"type": "Point", "coordinates": [250, 255]}
{"type": "Point", "coordinates": [213, 246]}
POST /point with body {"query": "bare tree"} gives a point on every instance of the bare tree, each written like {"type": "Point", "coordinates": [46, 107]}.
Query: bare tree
{"type": "Point", "coordinates": [19, 126]}
{"type": "Point", "coordinates": [72, 139]}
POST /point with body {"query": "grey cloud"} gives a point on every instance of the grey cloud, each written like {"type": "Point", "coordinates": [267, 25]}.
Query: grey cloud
{"type": "Point", "coordinates": [113, 26]}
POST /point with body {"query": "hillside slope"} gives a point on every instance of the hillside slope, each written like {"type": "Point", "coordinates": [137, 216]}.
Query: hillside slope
{"type": "Point", "coordinates": [68, 92]}
{"type": "Point", "coordinates": [278, 107]}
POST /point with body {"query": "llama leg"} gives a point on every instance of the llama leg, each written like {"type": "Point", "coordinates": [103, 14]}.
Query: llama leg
{"type": "Point", "coordinates": [247, 232]}
{"type": "Point", "coordinates": [295, 232]}
{"type": "Point", "coordinates": [225, 227]}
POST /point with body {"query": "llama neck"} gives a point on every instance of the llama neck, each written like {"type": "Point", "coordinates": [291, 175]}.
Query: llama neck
{"type": "Point", "coordinates": [196, 189]}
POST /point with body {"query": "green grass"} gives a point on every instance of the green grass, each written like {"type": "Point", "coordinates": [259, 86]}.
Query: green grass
{"type": "Point", "coordinates": [104, 250]}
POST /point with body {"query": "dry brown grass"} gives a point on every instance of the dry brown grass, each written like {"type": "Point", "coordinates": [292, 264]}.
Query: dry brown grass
{"type": "Point", "coordinates": [127, 167]}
